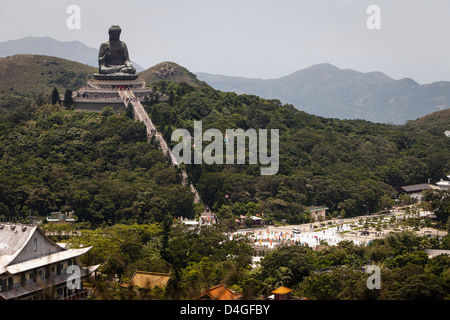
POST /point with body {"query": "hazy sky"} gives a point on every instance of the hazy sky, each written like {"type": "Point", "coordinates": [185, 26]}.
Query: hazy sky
{"type": "Point", "coordinates": [254, 38]}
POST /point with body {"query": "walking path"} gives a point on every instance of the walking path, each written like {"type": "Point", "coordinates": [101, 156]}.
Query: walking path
{"type": "Point", "coordinates": [141, 115]}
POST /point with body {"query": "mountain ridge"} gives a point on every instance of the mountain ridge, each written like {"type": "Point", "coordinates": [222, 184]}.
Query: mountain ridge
{"type": "Point", "coordinates": [329, 91]}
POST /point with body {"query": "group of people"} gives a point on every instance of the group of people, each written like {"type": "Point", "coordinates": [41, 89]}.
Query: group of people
{"type": "Point", "coordinates": [134, 99]}
{"type": "Point", "coordinates": [208, 218]}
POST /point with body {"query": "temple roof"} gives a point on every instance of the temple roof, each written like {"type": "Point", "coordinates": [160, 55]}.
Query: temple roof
{"type": "Point", "coordinates": [416, 187]}
{"type": "Point", "coordinates": [316, 208]}
{"type": "Point", "coordinates": [15, 244]}
{"type": "Point", "coordinates": [282, 290]}
{"type": "Point", "coordinates": [219, 292]}
{"type": "Point", "coordinates": [150, 280]}
{"type": "Point", "coordinates": [13, 238]}
{"type": "Point", "coordinates": [48, 259]}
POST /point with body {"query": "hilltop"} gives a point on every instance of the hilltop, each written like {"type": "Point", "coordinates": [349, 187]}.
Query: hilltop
{"type": "Point", "coordinates": [170, 71]}
{"type": "Point", "coordinates": [36, 73]}
{"type": "Point", "coordinates": [436, 119]}
{"type": "Point", "coordinates": [24, 77]}
{"type": "Point", "coordinates": [328, 91]}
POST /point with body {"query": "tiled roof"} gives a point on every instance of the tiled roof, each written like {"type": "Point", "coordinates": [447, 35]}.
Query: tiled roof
{"type": "Point", "coordinates": [416, 187]}
{"type": "Point", "coordinates": [45, 260]}
{"type": "Point", "coordinates": [13, 240]}
{"type": "Point", "coordinates": [282, 290]}
{"type": "Point", "coordinates": [13, 237]}
{"type": "Point", "coordinates": [316, 208]}
{"type": "Point", "coordinates": [150, 280]}
{"type": "Point", "coordinates": [219, 292]}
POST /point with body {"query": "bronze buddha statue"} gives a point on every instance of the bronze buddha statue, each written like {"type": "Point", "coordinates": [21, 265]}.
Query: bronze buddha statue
{"type": "Point", "coordinates": [113, 56]}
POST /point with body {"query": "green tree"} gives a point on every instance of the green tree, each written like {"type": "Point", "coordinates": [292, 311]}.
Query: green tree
{"type": "Point", "coordinates": [129, 111]}
{"type": "Point", "coordinates": [68, 99]}
{"type": "Point", "coordinates": [341, 283]}
{"type": "Point", "coordinates": [440, 203]}
{"type": "Point", "coordinates": [412, 283]}
{"type": "Point", "coordinates": [107, 112]}
{"type": "Point", "coordinates": [55, 96]}
{"type": "Point", "coordinates": [171, 98]}
{"type": "Point", "coordinates": [294, 261]}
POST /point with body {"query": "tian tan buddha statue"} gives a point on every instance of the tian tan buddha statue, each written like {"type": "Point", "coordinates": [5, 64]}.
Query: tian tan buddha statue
{"type": "Point", "coordinates": [113, 55]}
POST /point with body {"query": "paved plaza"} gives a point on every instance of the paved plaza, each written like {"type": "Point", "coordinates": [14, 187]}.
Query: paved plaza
{"type": "Point", "coordinates": [274, 236]}
{"type": "Point", "coordinates": [331, 232]}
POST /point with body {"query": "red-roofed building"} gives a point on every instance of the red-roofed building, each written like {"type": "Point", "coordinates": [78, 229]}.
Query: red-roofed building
{"type": "Point", "coordinates": [219, 292]}
{"type": "Point", "coordinates": [282, 293]}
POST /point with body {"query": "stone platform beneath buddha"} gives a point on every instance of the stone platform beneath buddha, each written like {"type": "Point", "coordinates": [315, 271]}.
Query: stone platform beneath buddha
{"type": "Point", "coordinates": [117, 83]}
{"type": "Point", "coordinates": [109, 92]}
{"type": "Point", "coordinates": [115, 77]}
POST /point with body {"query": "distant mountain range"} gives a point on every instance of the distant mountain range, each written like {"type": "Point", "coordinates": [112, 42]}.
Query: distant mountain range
{"type": "Point", "coordinates": [322, 89]}
{"type": "Point", "coordinates": [70, 50]}
{"type": "Point", "coordinates": [328, 91]}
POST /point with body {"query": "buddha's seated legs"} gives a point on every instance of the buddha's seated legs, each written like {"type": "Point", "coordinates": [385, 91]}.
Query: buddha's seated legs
{"type": "Point", "coordinates": [117, 69]}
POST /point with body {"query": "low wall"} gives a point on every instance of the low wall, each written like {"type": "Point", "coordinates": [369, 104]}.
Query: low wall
{"type": "Point", "coordinates": [95, 106]}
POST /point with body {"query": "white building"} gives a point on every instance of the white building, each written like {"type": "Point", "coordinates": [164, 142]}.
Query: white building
{"type": "Point", "coordinates": [317, 212]}
{"type": "Point", "coordinates": [444, 184]}
{"type": "Point", "coordinates": [32, 266]}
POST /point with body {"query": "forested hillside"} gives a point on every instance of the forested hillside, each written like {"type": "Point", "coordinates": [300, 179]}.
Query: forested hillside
{"type": "Point", "coordinates": [102, 167]}
{"type": "Point", "coordinates": [351, 166]}
{"type": "Point", "coordinates": [26, 77]}
{"type": "Point", "coordinates": [99, 165]}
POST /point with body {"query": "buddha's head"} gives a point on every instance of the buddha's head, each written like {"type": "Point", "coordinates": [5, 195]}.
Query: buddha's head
{"type": "Point", "coordinates": [114, 33]}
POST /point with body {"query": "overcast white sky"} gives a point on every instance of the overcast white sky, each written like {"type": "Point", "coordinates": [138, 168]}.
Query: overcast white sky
{"type": "Point", "coordinates": [254, 38]}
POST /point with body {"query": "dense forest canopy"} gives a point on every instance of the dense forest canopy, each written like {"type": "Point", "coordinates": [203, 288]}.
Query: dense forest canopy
{"type": "Point", "coordinates": [351, 166]}
{"type": "Point", "coordinates": [101, 166]}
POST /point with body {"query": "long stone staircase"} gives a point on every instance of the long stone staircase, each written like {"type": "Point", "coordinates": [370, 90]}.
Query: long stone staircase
{"type": "Point", "coordinates": [141, 115]}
